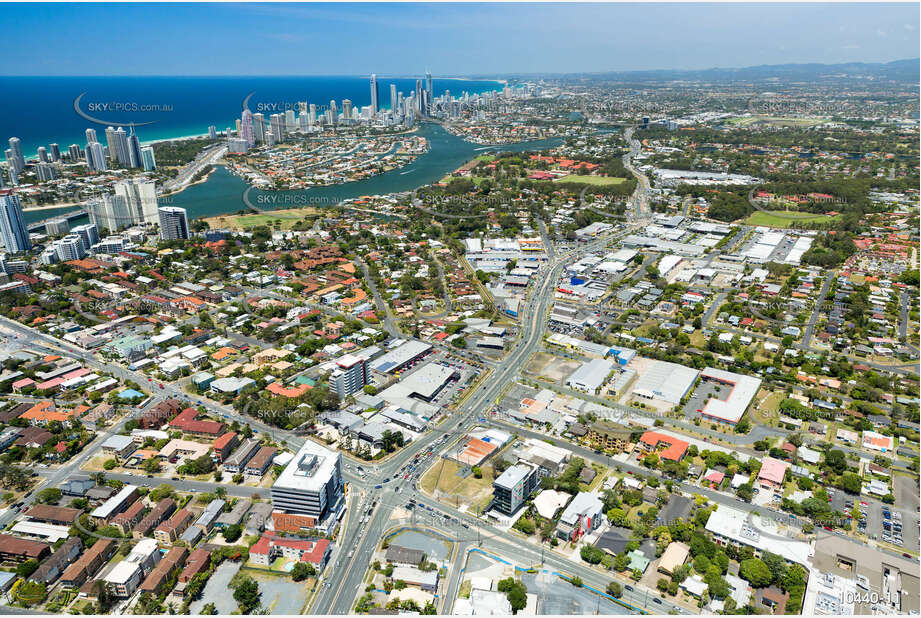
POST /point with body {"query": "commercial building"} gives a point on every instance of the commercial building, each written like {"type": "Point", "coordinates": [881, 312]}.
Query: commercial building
{"type": "Point", "coordinates": [668, 382]}
{"type": "Point", "coordinates": [423, 384]}
{"type": "Point", "coordinates": [514, 487]}
{"type": "Point", "coordinates": [309, 489]}
{"type": "Point", "coordinates": [893, 580]}
{"type": "Point", "coordinates": [591, 375]}
{"type": "Point", "coordinates": [400, 356]}
{"type": "Point", "coordinates": [742, 390]}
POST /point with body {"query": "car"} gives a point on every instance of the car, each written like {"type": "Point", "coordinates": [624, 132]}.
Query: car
{"type": "Point", "coordinates": [628, 587]}
{"type": "Point", "coordinates": [657, 600]}
{"type": "Point", "coordinates": [161, 387]}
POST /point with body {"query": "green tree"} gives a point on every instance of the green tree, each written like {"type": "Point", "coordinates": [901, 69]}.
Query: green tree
{"type": "Point", "coordinates": [246, 593]}
{"type": "Point", "coordinates": [756, 572]}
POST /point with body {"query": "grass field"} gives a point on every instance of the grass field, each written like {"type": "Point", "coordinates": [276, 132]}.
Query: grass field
{"type": "Point", "coordinates": [598, 181]}
{"type": "Point", "coordinates": [287, 218]}
{"type": "Point", "coordinates": [780, 121]}
{"type": "Point", "coordinates": [778, 218]}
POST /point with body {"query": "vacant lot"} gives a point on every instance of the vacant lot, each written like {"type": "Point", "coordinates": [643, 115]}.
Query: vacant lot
{"type": "Point", "coordinates": [552, 367]}
{"type": "Point", "coordinates": [285, 219]}
{"type": "Point", "coordinates": [456, 489]}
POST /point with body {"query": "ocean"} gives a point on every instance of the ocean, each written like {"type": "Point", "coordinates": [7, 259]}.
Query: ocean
{"type": "Point", "coordinates": [42, 110]}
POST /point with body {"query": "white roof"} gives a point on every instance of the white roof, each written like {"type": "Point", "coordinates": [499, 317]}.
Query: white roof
{"type": "Point", "coordinates": [744, 389]}
{"type": "Point", "coordinates": [52, 532]}
{"type": "Point", "coordinates": [549, 501]}
{"type": "Point", "coordinates": [761, 534]}
{"type": "Point", "coordinates": [105, 509]}
{"type": "Point", "coordinates": [667, 381]}
{"type": "Point", "coordinates": [306, 473]}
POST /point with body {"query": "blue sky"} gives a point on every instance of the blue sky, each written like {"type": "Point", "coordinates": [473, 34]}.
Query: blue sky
{"type": "Point", "coordinates": [448, 39]}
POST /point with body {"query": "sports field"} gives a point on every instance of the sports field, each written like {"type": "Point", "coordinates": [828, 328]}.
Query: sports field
{"type": "Point", "coordinates": [778, 218]}
{"type": "Point", "coordinates": [599, 181]}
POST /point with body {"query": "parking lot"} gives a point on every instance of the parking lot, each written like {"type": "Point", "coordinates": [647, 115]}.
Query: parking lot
{"type": "Point", "coordinates": [704, 392]}
{"type": "Point", "coordinates": [902, 523]}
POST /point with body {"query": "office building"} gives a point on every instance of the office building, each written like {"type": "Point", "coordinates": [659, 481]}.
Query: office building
{"type": "Point", "coordinates": [289, 121]}
{"type": "Point", "coordinates": [148, 160]}
{"type": "Point", "coordinates": [514, 487]}
{"type": "Point", "coordinates": [374, 95]}
{"type": "Point", "coordinates": [347, 110]}
{"type": "Point", "coordinates": [174, 224]}
{"type": "Point", "coordinates": [246, 128]}
{"type": "Point", "coordinates": [42, 154]}
{"type": "Point", "coordinates": [350, 375]}
{"type": "Point", "coordinates": [13, 230]}
{"type": "Point", "coordinates": [212, 132]}
{"type": "Point", "coordinates": [74, 153]}
{"type": "Point", "coordinates": [333, 113]}
{"type": "Point", "coordinates": [91, 136]}
{"type": "Point", "coordinates": [312, 114]}
{"type": "Point", "coordinates": [55, 152]}
{"type": "Point", "coordinates": [394, 110]}
{"type": "Point", "coordinates": [308, 489]}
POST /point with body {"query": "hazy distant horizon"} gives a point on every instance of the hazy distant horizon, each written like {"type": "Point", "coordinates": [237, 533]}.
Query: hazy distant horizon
{"type": "Point", "coordinates": [448, 39]}
{"type": "Point", "coordinates": [474, 76]}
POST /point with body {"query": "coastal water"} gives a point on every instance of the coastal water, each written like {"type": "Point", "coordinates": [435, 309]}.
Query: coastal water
{"type": "Point", "coordinates": [223, 192]}
{"type": "Point", "coordinates": [42, 110]}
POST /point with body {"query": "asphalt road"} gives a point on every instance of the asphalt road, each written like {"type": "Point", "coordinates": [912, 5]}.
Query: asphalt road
{"type": "Point", "coordinates": [809, 331]}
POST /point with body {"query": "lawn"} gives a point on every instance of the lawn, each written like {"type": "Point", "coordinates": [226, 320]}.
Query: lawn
{"type": "Point", "coordinates": [598, 181]}
{"type": "Point", "coordinates": [287, 217]}
{"type": "Point", "coordinates": [779, 218]}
